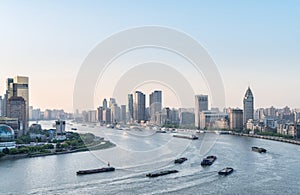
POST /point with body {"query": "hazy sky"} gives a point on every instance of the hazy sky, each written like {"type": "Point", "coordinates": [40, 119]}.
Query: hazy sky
{"type": "Point", "coordinates": [253, 42]}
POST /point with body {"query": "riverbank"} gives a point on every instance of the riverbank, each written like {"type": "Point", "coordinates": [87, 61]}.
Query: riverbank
{"type": "Point", "coordinates": [273, 138]}
{"type": "Point", "coordinates": [103, 145]}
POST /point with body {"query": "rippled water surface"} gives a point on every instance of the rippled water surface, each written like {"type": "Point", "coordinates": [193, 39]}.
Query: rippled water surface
{"type": "Point", "coordinates": [140, 152]}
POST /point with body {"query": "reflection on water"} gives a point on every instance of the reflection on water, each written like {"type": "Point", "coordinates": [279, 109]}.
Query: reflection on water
{"type": "Point", "coordinates": [272, 173]}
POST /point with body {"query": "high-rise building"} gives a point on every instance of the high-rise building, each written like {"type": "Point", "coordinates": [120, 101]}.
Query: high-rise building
{"type": "Point", "coordinates": [261, 114]}
{"type": "Point", "coordinates": [271, 111]}
{"type": "Point", "coordinates": [30, 112]}
{"type": "Point", "coordinates": [155, 103]}
{"type": "Point", "coordinates": [107, 116]}
{"type": "Point", "coordinates": [16, 108]}
{"type": "Point", "coordinates": [112, 101]}
{"type": "Point", "coordinates": [201, 104]}
{"type": "Point", "coordinates": [7, 95]}
{"type": "Point", "coordinates": [248, 106]}
{"type": "Point", "coordinates": [167, 112]}
{"type": "Point", "coordinates": [48, 114]}
{"type": "Point", "coordinates": [36, 114]}
{"type": "Point", "coordinates": [147, 113]}
{"type": "Point", "coordinates": [175, 117]}
{"type": "Point", "coordinates": [139, 106]}
{"type": "Point", "coordinates": [236, 119]}
{"type": "Point", "coordinates": [115, 113]}
{"type": "Point", "coordinates": [100, 114]}
{"type": "Point", "coordinates": [123, 113]}
{"type": "Point", "coordinates": [4, 105]}
{"type": "Point", "coordinates": [186, 118]}
{"type": "Point", "coordinates": [104, 103]}
{"type": "Point", "coordinates": [9, 87]}
{"type": "Point", "coordinates": [130, 107]}
{"type": "Point", "coordinates": [18, 87]}
{"type": "Point", "coordinates": [92, 116]}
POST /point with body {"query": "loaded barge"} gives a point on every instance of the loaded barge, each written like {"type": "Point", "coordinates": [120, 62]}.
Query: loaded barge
{"type": "Point", "coordinates": [192, 137]}
{"type": "Point", "coordinates": [161, 173]}
{"type": "Point", "coordinates": [91, 171]}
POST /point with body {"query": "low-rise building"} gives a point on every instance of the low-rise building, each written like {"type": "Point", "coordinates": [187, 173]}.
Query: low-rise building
{"type": "Point", "coordinates": [236, 119]}
{"type": "Point", "coordinates": [208, 119]}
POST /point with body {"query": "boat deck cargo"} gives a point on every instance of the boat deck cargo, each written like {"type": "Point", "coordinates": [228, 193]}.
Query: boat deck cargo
{"type": "Point", "coordinates": [161, 173]}
{"type": "Point", "coordinates": [91, 171]}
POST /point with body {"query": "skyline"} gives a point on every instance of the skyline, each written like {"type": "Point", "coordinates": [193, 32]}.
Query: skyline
{"type": "Point", "coordinates": [48, 43]}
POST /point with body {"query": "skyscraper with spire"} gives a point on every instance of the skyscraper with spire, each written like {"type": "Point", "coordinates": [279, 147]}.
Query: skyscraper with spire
{"type": "Point", "coordinates": [104, 104]}
{"type": "Point", "coordinates": [248, 106]}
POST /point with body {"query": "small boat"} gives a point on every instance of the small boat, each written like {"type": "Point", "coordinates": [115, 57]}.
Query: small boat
{"type": "Point", "coordinates": [192, 137]}
{"type": "Point", "coordinates": [161, 173]}
{"type": "Point", "coordinates": [226, 171]}
{"type": "Point", "coordinates": [110, 126]}
{"type": "Point", "coordinates": [260, 150]}
{"type": "Point", "coordinates": [209, 160]}
{"type": "Point", "coordinates": [180, 160]}
{"type": "Point", "coordinates": [91, 171]}
{"type": "Point", "coordinates": [74, 129]}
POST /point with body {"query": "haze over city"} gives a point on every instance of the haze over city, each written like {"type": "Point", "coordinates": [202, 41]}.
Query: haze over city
{"type": "Point", "coordinates": [48, 42]}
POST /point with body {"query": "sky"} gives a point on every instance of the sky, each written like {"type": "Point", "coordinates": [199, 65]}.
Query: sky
{"type": "Point", "coordinates": [253, 43]}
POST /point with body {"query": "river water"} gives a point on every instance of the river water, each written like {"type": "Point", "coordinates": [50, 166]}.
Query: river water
{"type": "Point", "coordinates": [140, 152]}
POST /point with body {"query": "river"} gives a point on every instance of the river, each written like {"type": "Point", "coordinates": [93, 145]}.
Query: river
{"type": "Point", "coordinates": [141, 152]}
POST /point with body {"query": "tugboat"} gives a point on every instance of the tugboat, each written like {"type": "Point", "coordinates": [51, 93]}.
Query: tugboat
{"type": "Point", "coordinates": [260, 150]}
{"type": "Point", "coordinates": [208, 161]}
{"type": "Point", "coordinates": [226, 171]}
{"type": "Point", "coordinates": [161, 173]}
{"type": "Point", "coordinates": [180, 160]}
{"type": "Point", "coordinates": [91, 171]}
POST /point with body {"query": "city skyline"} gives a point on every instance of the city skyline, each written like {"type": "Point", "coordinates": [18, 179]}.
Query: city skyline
{"type": "Point", "coordinates": [248, 55]}
{"type": "Point", "coordinates": [149, 97]}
